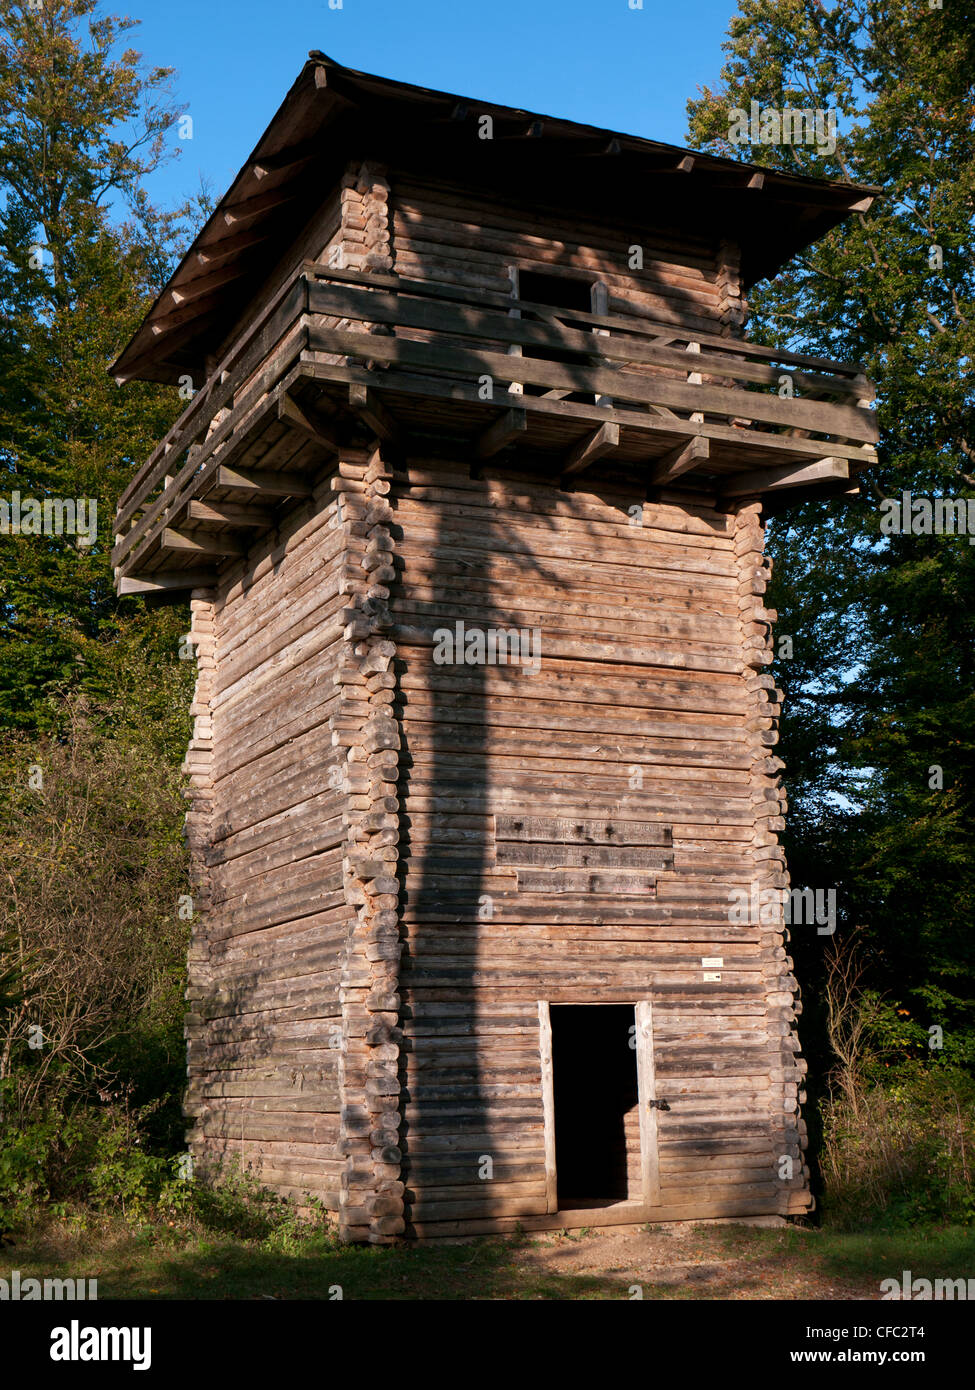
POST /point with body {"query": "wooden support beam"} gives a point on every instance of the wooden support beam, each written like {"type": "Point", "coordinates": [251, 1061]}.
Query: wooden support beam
{"type": "Point", "coordinates": [186, 318]}
{"type": "Point", "coordinates": [262, 483]}
{"type": "Point", "coordinates": [757, 181]}
{"type": "Point", "coordinates": [229, 246]}
{"type": "Point", "coordinates": [678, 461]}
{"type": "Point", "coordinates": [248, 208]}
{"type": "Point", "coordinates": [289, 158]}
{"type": "Point", "coordinates": [602, 441]}
{"type": "Point", "coordinates": [686, 164]}
{"type": "Point", "coordinates": [167, 583]}
{"type": "Point", "coordinates": [371, 410]}
{"type": "Point", "coordinates": [190, 291]}
{"type": "Point", "coordinates": [199, 543]}
{"type": "Point", "coordinates": [291, 413]}
{"type": "Point", "coordinates": [759, 480]}
{"type": "Point", "coordinates": [504, 430]}
{"type": "Point", "coordinates": [229, 514]}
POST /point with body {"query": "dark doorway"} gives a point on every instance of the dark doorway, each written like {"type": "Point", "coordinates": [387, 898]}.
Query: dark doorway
{"type": "Point", "coordinates": [594, 1079]}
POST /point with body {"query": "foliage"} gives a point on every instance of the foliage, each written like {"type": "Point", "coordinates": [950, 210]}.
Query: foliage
{"type": "Point", "coordinates": [877, 730]}
{"type": "Point", "coordinates": [898, 1122]}
{"type": "Point", "coordinates": [96, 1162]}
{"type": "Point", "coordinates": [81, 251]}
{"type": "Point", "coordinates": [903, 1152]}
{"type": "Point", "coordinates": [93, 868]}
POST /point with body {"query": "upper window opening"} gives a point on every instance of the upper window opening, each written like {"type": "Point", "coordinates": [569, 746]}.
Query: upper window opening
{"type": "Point", "coordinates": [559, 291]}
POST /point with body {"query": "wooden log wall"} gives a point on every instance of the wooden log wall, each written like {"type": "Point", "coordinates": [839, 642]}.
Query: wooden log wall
{"type": "Point", "coordinates": [450, 234]}
{"type": "Point", "coordinates": [265, 1025]}
{"type": "Point", "coordinates": [291, 1007]}
{"type": "Point", "coordinates": [367, 728]}
{"type": "Point", "coordinates": [197, 767]}
{"type": "Point", "coordinates": [648, 712]}
{"type": "Point", "coordinates": [396, 857]}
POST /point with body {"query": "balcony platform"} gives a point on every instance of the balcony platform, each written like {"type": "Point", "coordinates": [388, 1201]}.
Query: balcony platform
{"type": "Point", "coordinates": [342, 359]}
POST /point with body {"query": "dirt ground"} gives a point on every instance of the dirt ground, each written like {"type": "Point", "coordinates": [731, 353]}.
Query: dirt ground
{"type": "Point", "coordinates": [703, 1261]}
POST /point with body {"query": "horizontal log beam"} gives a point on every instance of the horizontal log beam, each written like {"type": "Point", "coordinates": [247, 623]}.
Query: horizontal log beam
{"type": "Point", "coordinates": [593, 446]}
{"type": "Point", "coordinates": [200, 543]}
{"type": "Point", "coordinates": [680, 460]}
{"type": "Point", "coordinates": [735, 359]}
{"type": "Point", "coordinates": [501, 433]}
{"type": "Point", "coordinates": [167, 583]}
{"type": "Point", "coordinates": [647, 388]}
{"type": "Point", "coordinates": [262, 483]}
{"type": "Point", "coordinates": [759, 480]}
{"type": "Point", "coordinates": [229, 514]}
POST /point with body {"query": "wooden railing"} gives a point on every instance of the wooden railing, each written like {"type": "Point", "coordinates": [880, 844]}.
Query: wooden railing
{"type": "Point", "coordinates": [628, 359]}
{"type": "Point", "coordinates": [414, 334]}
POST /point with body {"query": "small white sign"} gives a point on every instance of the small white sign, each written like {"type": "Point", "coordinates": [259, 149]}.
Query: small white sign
{"type": "Point", "coordinates": [710, 975]}
{"type": "Point", "coordinates": [712, 961]}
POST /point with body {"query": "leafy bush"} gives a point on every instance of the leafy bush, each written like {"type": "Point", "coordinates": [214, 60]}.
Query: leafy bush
{"type": "Point", "coordinates": [99, 1162]}
{"type": "Point", "coordinates": [92, 949]}
{"type": "Point", "coordinates": [901, 1152]}
{"type": "Point", "coordinates": [230, 1201]}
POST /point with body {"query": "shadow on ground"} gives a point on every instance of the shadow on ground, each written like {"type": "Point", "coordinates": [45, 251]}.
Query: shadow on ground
{"type": "Point", "coordinates": [687, 1262]}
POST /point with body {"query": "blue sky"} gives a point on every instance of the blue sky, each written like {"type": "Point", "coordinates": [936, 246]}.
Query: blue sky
{"type": "Point", "coordinates": [596, 61]}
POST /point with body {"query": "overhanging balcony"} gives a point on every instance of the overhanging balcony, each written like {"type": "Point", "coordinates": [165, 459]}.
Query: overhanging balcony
{"type": "Point", "coordinates": [340, 359]}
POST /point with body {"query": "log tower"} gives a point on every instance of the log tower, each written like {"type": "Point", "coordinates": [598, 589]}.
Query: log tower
{"type": "Point", "coordinates": [468, 502]}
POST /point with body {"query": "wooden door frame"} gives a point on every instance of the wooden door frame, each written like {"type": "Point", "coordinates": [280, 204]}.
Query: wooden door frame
{"type": "Point", "coordinates": [646, 1092]}
{"type": "Point", "coordinates": [548, 1105]}
{"type": "Point", "coordinates": [645, 1076]}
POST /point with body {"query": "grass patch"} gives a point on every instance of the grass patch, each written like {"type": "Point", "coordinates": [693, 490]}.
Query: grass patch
{"type": "Point", "coordinates": [152, 1262]}
{"type": "Point", "coordinates": [177, 1261]}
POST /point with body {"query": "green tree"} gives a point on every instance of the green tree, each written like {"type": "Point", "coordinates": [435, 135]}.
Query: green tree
{"type": "Point", "coordinates": [82, 251]}
{"type": "Point", "coordinates": [880, 692]}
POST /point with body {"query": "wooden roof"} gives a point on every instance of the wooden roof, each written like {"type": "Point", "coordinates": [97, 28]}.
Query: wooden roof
{"type": "Point", "coordinates": [333, 114]}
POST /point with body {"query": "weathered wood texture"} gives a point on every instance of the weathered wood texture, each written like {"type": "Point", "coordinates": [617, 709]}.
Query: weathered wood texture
{"type": "Point", "coordinates": [645, 713]}
{"type": "Point", "coordinates": [264, 1029]}
{"type": "Point", "coordinates": [402, 858]}
{"type": "Point", "coordinates": [448, 233]}
{"type": "Point", "coordinates": [404, 854]}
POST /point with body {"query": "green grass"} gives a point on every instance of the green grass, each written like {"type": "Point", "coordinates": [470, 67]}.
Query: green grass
{"type": "Point", "coordinates": [148, 1264]}
{"type": "Point", "coordinates": [711, 1262]}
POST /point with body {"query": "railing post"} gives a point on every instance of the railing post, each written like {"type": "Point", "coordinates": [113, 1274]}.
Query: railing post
{"type": "Point", "coordinates": [515, 388]}
{"type": "Point", "coordinates": [600, 305]}
{"type": "Point", "coordinates": [695, 379]}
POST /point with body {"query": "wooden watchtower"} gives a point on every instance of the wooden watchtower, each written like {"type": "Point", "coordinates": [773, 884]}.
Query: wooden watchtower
{"type": "Point", "coordinates": [468, 501]}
